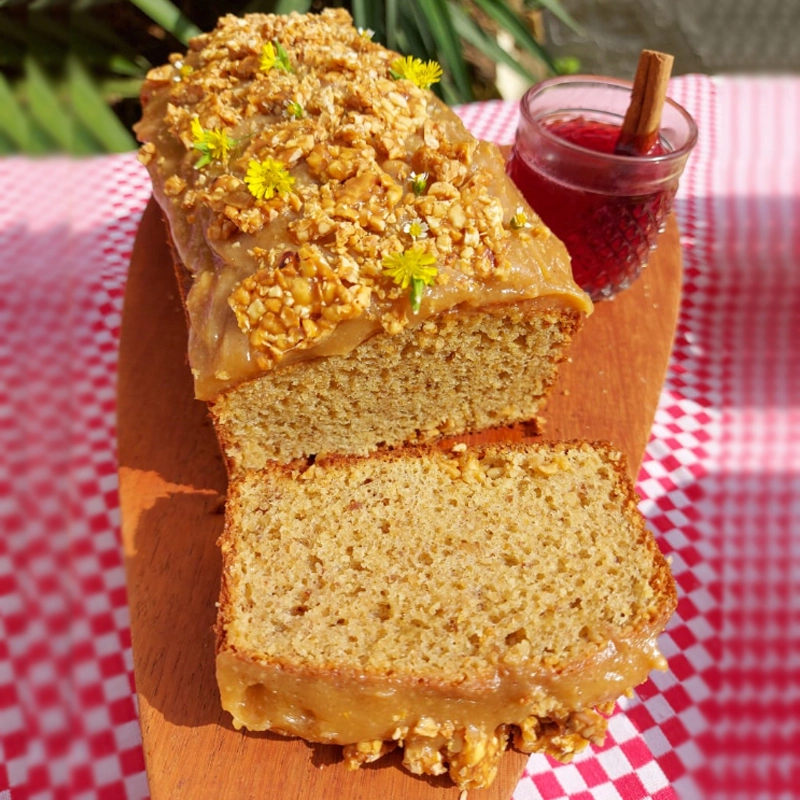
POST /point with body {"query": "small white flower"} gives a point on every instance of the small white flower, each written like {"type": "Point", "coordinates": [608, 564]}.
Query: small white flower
{"type": "Point", "coordinates": [520, 219]}
{"type": "Point", "coordinates": [417, 229]}
{"type": "Point", "coordinates": [293, 109]}
{"type": "Point", "coordinates": [182, 69]}
{"type": "Point", "coordinates": [366, 33]}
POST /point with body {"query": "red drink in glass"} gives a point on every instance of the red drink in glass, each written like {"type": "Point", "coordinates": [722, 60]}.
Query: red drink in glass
{"type": "Point", "coordinates": [608, 209]}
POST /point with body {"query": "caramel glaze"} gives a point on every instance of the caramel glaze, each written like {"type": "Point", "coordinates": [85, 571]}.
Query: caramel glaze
{"type": "Point", "coordinates": [219, 352]}
{"type": "Point", "coordinates": [343, 707]}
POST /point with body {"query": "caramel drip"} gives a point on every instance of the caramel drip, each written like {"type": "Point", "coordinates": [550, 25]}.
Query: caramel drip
{"type": "Point", "coordinates": [345, 707]}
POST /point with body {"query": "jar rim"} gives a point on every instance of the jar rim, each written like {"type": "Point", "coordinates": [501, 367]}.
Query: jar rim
{"type": "Point", "coordinates": [615, 83]}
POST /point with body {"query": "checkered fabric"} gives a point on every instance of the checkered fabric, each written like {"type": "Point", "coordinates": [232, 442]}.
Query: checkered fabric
{"type": "Point", "coordinates": [720, 479]}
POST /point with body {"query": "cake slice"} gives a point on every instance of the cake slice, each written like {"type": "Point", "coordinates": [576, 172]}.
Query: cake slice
{"type": "Point", "coordinates": [357, 269]}
{"type": "Point", "coordinates": [450, 603]}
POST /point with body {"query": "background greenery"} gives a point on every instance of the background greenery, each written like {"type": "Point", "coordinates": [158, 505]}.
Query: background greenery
{"type": "Point", "coordinates": [71, 71]}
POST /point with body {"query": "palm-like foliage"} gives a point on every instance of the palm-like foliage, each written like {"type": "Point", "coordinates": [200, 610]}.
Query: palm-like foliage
{"type": "Point", "coordinates": [66, 66]}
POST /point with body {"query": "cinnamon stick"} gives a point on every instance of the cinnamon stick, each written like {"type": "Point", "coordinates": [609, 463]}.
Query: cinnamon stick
{"type": "Point", "coordinates": [643, 117]}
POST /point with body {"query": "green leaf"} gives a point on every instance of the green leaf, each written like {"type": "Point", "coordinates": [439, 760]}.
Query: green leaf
{"type": "Point", "coordinates": [7, 146]}
{"type": "Point", "coordinates": [169, 17]}
{"type": "Point", "coordinates": [392, 24]}
{"type": "Point", "coordinates": [557, 10]}
{"type": "Point", "coordinates": [448, 92]}
{"type": "Point", "coordinates": [98, 44]}
{"type": "Point", "coordinates": [114, 89]}
{"type": "Point", "coordinates": [471, 32]}
{"type": "Point", "coordinates": [279, 7]}
{"type": "Point", "coordinates": [45, 106]}
{"type": "Point", "coordinates": [98, 54]}
{"type": "Point", "coordinates": [92, 112]}
{"type": "Point", "coordinates": [282, 61]}
{"type": "Point", "coordinates": [13, 121]}
{"type": "Point", "coordinates": [413, 38]}
{"type": "Point", "coordinates": [448, 45]}
{"type": "Point", "coordinates": [39, 142]}
{"type": "Point", "coordinates": [511, 22]}
{"type": "Point", "coordinates": [361, 12]}
{"type": "Point", "coordinates": [415, 293]}
{"type": "Point", "coordinates": [83, 143]}
{"type": "Point", "coordinates": [375, 17]}
{"type": "Point", "coordinates": [417, 39]}
{"type": "Point", "coordinates": [47, 39]}
{"type": "Point", "coordinates": [120, 65]}
{"type": "Point", "coordinates": [287, 6]}
{"type": "Point", "coordinates": [95, 29]}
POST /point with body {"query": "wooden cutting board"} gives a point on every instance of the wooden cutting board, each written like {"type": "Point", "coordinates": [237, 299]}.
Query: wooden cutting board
{"type": "Point", "coordinates": [172, 486]}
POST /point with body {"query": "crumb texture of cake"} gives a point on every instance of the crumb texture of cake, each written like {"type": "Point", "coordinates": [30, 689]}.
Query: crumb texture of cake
{"type": "Point", "coordinates": [463, 372]}
{"type": "Point", "coordinates": [450, 603]}
{"type": "Point", "coordinates": [319, 197]}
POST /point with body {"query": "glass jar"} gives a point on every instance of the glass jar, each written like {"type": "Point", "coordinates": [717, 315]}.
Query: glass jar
{"type": "Point", "coordinates": [608, 209]}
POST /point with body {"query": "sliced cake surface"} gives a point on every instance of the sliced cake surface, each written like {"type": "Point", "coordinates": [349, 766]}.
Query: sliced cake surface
{"type": "Point", "coordinates": [446, 602]}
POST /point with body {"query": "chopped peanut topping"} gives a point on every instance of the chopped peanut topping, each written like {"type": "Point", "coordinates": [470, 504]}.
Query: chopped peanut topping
{"type": "Point", "coordinates": [299, 301]}
{"type": "Point", "coordinates": [313, 137]}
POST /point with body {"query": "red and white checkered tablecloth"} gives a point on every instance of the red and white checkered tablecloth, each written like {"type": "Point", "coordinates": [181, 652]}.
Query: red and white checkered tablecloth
{"type": "Point", "coordinates": [720, 481]}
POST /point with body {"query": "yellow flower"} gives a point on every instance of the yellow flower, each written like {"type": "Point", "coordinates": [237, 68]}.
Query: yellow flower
{"type": "Point", "coordinates": [417, 71]}
{"type": "Point", "coordinates": [267, 178]}
{"type": "Point", "coordinates": [214, 144]}
{"type": "Point", "coordinates": [412, 267]}
{"type": "Point", "coordinates": [273, 56]}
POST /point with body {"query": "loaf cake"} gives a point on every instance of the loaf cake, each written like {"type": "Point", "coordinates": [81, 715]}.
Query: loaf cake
{"type": "Point", "coordinates": [453, 603]}
{"type": "Point", "coordinates": [357, 270]}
